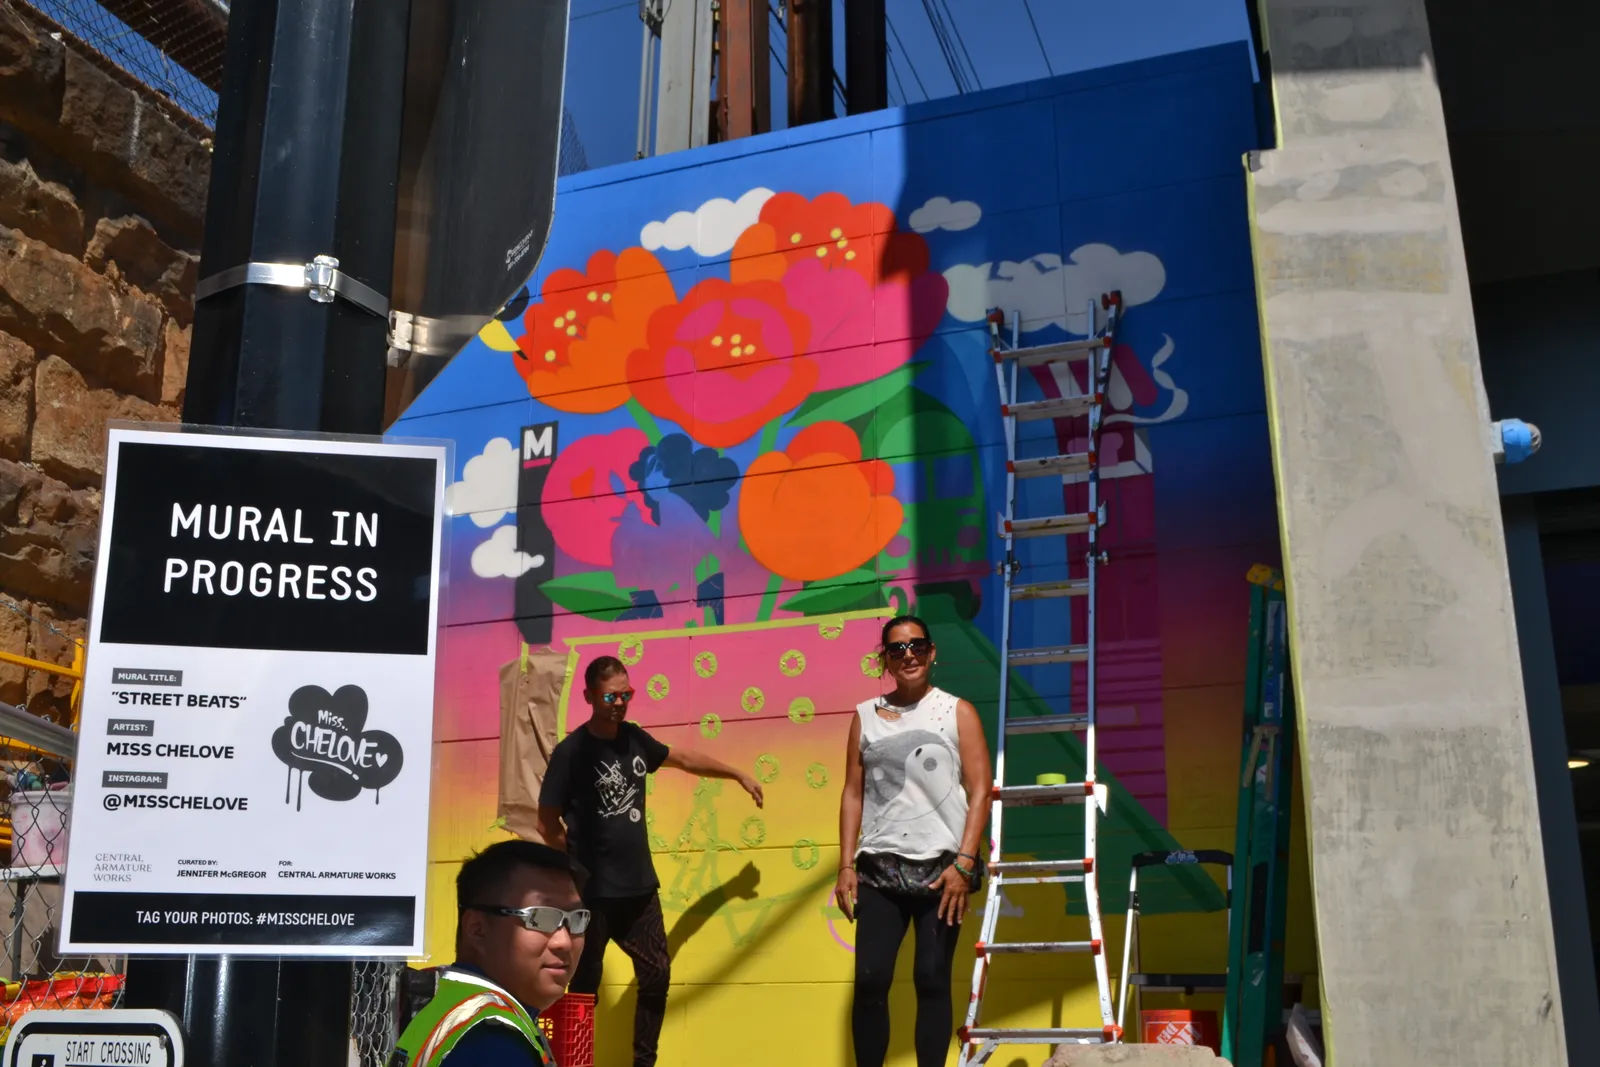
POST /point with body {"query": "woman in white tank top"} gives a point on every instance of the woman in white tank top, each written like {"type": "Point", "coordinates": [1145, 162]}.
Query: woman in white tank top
{"type": "Point", "coordinates": [916, 795]}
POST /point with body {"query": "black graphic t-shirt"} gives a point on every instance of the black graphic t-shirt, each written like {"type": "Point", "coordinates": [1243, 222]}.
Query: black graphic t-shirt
{"type": "Point", "coordinates": [598, 785]}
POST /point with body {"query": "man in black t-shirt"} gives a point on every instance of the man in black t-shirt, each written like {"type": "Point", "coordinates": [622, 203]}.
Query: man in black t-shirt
{"type": "Point", "coordinates": [592, 805]}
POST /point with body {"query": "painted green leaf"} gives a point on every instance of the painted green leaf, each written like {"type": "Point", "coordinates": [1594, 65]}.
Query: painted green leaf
{"type": "Point", "coordinates": [853, 591]}
{"type": "Point", "coordinates": [592, 593]}
{"type": "Point", "coordinates": [912, 423]}
{"type": "Point", "coordinates": [842, 405]}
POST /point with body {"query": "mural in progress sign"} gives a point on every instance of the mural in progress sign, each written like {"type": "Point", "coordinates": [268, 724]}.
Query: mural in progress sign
{"type": "Point", "coordinates": [253, 772]}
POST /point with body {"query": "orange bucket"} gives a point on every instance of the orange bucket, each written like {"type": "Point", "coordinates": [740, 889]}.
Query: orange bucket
{"type": "Point", "coordinates": [1182, 1028]}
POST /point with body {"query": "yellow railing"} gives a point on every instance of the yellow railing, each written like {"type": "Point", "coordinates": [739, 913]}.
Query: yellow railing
{"type": "Point", "coordinates": [12, 749]}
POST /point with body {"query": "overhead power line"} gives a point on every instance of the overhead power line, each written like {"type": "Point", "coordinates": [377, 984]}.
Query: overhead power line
{"type": "Point", "coordinates": [911, 66]}
{"type": "Point", "coordinates": [1037, 36]}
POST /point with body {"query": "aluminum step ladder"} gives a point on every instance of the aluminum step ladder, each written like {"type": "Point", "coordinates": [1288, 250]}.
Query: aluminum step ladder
{"type": "Point", "coordinates": [1134, 979]}
{"type": "Point", "coordinates": [979, 1042]}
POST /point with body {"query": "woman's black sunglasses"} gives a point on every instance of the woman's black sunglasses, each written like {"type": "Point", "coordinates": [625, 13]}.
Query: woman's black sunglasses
{"type": "Point", "coordinates": [917, 647]}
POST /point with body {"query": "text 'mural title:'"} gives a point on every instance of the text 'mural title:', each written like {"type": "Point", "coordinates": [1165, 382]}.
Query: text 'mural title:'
{"type": "Point", "coordinates": [282, 580]}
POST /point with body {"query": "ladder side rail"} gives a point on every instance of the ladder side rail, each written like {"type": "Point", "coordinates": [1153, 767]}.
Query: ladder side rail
{"type": "Point", "coordinates": [1130, 958]}
{"type": "Point", "coordinates": [1091, 895]}
{"type": "Point", "coordinates": [991, 912]}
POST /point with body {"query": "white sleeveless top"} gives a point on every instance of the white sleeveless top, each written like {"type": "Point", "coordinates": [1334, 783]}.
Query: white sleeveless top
{"type": "Point", "coordinates": [913, 804]}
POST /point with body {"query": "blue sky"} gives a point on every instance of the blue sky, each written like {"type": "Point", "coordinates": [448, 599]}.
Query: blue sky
{"type": "Point", "coordinates": [603, 50]}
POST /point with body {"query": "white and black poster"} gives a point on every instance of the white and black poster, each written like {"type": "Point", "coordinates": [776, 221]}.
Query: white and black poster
{"type": "Point", "coordinates": [255, 741]}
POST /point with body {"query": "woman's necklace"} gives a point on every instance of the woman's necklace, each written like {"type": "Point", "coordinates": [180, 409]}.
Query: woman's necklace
{"type": "Point", "coordinates": [893, 713]}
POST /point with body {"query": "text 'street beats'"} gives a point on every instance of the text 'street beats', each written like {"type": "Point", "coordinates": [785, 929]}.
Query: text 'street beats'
{"type": "Point", "coordinates": [253, 758]}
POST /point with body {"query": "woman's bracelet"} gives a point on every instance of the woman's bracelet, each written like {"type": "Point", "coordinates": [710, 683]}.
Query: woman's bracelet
{"type": "Point", "coordinates": [967, 855]}
{"type": "Point", "coordinates": [965, 872]}
{"type": "Point", "coordinates": [847, 867]}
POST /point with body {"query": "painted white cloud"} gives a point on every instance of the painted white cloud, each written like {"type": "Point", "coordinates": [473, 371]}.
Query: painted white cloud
{"type": "Point", "coordinates": [941, 213]}
{"type": "Point", "coordinates": [710, 229]}
{"type": "Point", "coordinates": [488, 486]}
{"type": "Point", "coordinates": [1049, 291]}
{"type": "Point", "coordinates": [498, 557]}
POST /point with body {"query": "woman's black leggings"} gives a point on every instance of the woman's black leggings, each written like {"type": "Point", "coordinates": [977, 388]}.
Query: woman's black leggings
{"type": "Point", "coordinates": [881, 921]}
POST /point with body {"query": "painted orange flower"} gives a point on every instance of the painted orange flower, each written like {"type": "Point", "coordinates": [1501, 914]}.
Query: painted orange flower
{"type": "Point", "coordinates": [832, 231]}
{"type": "Point", "coordinates": [574, 351]}
{"type": "Point", "coordinates": [815, 510]}
{"type": "Point", "coordinates": [725, 361]}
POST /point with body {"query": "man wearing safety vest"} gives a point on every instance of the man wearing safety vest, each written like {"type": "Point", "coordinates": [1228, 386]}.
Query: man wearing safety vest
{"type": "Point", "coordinates": [519, 935]}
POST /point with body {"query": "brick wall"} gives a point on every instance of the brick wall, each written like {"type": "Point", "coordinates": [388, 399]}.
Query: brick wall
{"type": "Point", "coordinates": [102, 190]}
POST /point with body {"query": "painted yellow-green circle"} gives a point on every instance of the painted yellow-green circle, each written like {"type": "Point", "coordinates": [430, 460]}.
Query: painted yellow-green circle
{"type": "Point", "coordinates": [817, 776]}
{"type": "Point", "coordinates": [871, 666]}
{"type": "Point", "coordinates": [710, 725]}
{"type": "Point", "coordinates": [752, 700]}
{"type": "Point", "coordinates": [830, 631]}
{"type": "Point", "coordinates": [630, 650]}
{"type": "Point", "coordinates": [767, 767]}
{"type": "Point", "coordinates": [792, 663]}
{"type": "Point", "coordinates": [802, 710]}
{"type": "Point", "coordinates": [805, 854]}
{"type": "Point", "coordinates": [705, 664]}
{"type": "Point", "coordinates": [658, 686]}
{"type": "Point", "coordinates": [657, 842]}
{"type": "Point", "coordinates": [753, 831]}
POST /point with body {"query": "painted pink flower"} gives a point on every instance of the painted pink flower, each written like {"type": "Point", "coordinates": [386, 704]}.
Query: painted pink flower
{"type": "Point", "coordinates": [848, 316]}
{"type": "Point", "coordinates": [865, 286]}
{"type": "Point", "coordinates": [588, 490]}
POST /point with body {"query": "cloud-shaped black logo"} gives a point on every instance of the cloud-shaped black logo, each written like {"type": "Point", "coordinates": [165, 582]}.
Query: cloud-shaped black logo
{"type": "Point", "coordinates": [323, 737]}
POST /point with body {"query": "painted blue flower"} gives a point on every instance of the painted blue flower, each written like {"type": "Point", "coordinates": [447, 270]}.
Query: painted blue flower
{"type": "Point", "coordinates": [701, 477]}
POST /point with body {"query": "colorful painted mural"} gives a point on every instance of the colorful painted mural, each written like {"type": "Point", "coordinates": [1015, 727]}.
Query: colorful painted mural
{"type": "Point", "coordinates": [745, 410]}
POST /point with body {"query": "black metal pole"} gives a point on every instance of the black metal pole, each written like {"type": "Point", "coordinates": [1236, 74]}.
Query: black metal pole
{"type": "Point", "coordinates": [866, 56]}
{"type": "Point", "coordinates": [305, 164]}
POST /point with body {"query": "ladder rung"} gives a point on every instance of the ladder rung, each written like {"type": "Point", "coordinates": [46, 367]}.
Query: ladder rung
{"type": "Point", "coordinates": [1006, 1035]}
{"type": "Point", "coordinates": [1044, 590]}
{"type": "Point", "coordinates": [1035, 947]}
{"type": "Point", "coordinates": [1053, 879]}
{"type": "Point", "coordinates": [1180, 983]}
{"type": "Point", "coordinates": [1044, 526]}
{"type": "Point", "coordinates": [1028, 657]}
{"type": "Point", "coordinates": [1064, 407]}
{"type": "Point", "coordinates": [1071, 463]}
{"type": "Point", "coordinates": [1030, 795]}
{"type": "Point", "coordinates": [1080, 865]}
{"type": "Point", "coordinates": [1048, 724]}
{"type": "Point", "coordinates": [1038, 355]}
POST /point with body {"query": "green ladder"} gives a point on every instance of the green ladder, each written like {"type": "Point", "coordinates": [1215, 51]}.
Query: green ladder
{"type": "Point", "coordinates": [1254, 1005]}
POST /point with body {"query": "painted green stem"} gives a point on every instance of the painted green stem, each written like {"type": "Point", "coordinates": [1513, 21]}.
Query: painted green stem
{"type": "Point", "coordinates": [646, 421]}
{"type": "Point", "coordinates": [769, 437]}
{"type": "Point", "coordinates": [769, 602]}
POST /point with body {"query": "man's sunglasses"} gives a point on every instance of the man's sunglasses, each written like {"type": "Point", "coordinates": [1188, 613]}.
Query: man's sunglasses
{"type": "Point", "coordinates": [621, 696]}
{"type": "Point", "coordinates": [544, 920]}
{"type": "Point", "coordinates": [918, 647]}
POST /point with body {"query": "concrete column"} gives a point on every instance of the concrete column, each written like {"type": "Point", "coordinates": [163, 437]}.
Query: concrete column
{"type": "Point", "coordinates": [1433, 919]}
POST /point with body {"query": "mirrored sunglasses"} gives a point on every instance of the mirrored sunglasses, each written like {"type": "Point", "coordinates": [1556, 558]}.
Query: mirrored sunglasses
{"type": "Point", "coordinates": [917, 647]}
{"type": "Point", "coordinates": [622, 696]}
{"type": "Point", "coordinates": [544, 920]}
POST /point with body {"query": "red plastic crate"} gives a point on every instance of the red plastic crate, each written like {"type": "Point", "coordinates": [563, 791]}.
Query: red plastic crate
{"type": "Point", "coordinates": [568, 1025]}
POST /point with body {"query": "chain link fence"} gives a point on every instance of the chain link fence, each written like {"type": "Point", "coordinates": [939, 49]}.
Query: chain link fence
{"type": "Point", "coordinates": [36, 751]}
{"type": "Point", "coordinates": [174, 47]}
